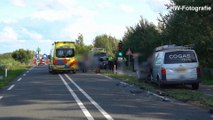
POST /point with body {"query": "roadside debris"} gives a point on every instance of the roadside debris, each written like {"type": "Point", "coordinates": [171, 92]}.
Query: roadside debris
{"type": "Point", "coordinates": [123, 84]}
{"type": "Point", "coordinates": [161, 93]}
{"type": "Point", "coordinates": [165, 99]}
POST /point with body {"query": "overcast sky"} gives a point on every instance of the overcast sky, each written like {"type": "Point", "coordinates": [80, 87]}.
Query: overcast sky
{"type": "Point", "coordinates": [30, 24]}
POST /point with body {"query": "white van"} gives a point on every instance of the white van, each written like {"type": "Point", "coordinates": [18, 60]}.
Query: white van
{"type": "Point", "coordinates": [173, 64]}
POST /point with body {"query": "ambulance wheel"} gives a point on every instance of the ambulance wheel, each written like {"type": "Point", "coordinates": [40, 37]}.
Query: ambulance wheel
{"type": "Point", "coordinates": [73, 71]}
{"type": "Point", "coordinates": [49, 69]}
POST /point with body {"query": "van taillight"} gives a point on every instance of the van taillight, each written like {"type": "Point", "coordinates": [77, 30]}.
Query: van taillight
{"type": "Point", "coordinates": [163, 71]}
{"type": "Point", "coordinates": [198, 70]}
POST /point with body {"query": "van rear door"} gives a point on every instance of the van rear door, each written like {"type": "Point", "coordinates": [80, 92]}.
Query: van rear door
{"type": "Point", "coordinates": [180, 65]}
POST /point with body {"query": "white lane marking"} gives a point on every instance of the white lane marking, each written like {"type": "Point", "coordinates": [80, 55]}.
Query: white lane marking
{"type": "Point", "coordinates": [104, 113]}
{"type": "Point", "coordinates": [1, 97]}
{"type": "Point", "coordinates": [11, 87]}
{"type": "Point", "coordinates": [105, 76]}
{"type": "Point", "coordinates": [211, 116]}
{"type": "Point", "coordinates": [24, 74]}
{"type": "Point", "coordinates": [27, 71]}
{"type": "Point", "coordinates": [78, 101]}
{"type": "Point", "coordinates": [19, 79]}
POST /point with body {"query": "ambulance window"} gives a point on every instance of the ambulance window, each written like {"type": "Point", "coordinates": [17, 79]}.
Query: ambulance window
{"type": "Point", "coordinates": [69, 53]}
{"type": "Point", "coordinates": [60, 53]}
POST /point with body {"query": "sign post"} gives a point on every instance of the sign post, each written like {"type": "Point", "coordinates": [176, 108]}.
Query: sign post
{"type": "Point", "coordinates": [129, 52]}
{"type": "Point", "coordinates": [6, 72]}
{"type": "Point", "coordinates": [136, 65]}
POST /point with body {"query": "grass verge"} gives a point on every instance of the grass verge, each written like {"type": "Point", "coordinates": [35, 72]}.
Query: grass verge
{"type": "Point", "coordinates": [182, 94]}
{"type": "Point", "coordinates": [130, 80]}
{"type": "Point", "coordinates": [12, 74]}
{"type": "Point", "coordinates": [206, 77]}
{"type": "Point", "coordinates": [191, 96]}
{"type": "Point", "coordinates": [207, 80]}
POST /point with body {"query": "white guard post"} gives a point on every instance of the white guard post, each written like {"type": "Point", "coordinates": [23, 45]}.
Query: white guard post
{"type": "Point", "coordinates": [6, 72]}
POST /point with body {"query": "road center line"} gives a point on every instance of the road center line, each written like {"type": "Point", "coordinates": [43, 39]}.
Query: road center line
{"type": "Point", "coordinates": [78, 101]}
{"type": "Point", "coordinates": [1, 97]}
{"type": "Point", "coordinates": [11, 87]}
{"type": "Point", "coordinates": [104, 113]}
{"type": "Point", "coordinates": [24, 74]}
{"type": "Point", "coordinates": [19, 79]}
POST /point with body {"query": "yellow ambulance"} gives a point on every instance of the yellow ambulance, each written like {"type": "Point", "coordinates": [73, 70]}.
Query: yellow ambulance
{"type": "Point", "coordinates": [62, 57]}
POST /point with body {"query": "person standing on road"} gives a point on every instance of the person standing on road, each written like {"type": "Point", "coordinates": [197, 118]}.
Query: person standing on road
{"type": "Point", "coordinates": [110, 63]}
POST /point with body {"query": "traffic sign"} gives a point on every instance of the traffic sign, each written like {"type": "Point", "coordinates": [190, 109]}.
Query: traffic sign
{"type": "Point", "coordinates": [129, 52]}
{"type": "Point", "coordinates": [44, 55]}
{"type": "Point", "coordinates": [38, 49]}
{"type": "Point", "coordinates": [36, 56]}
{"type": "Point", "coordinates": [120, 58]}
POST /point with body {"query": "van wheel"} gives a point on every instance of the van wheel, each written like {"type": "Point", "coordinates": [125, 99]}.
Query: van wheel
{"type": "Point", "coordinates": [195, 86]}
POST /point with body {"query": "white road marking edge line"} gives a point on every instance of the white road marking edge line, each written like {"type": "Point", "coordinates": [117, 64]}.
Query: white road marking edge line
{"type": "Point", "coordinates": [78, 101]}
{"type": "Point", "coordinates": [19, 79]}
{"type": "Point", "coordinates": [104, 113]}
{"type": "Point", "coordinates": [1, 97]}
{"type": "Point", "coordinates": [105, 76]}
{"type": "Point", "coordinates": [11, 87]}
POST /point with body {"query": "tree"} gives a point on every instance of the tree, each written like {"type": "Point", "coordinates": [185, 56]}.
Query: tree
{"type": "Point", "coordinates": [142, 38]}
{"type": "Point", "coordinates": [190, 27]}
{"type": "Point", "coordinates": [82, 49]}
{"type": "Point", "coordinates": [80, 40]}
{"type": "Point", "coordinates": [107, 42]}
{"type": "Point", "coordinates": [23, 56]}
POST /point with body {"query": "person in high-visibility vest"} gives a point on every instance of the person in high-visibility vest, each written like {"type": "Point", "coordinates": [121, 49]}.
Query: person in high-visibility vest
{"type": "Point", "coordinates": [110, 63]}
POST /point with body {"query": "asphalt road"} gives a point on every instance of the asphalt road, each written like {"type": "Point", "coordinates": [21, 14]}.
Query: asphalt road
{"type": "Point", "coordinates": [38, 95]}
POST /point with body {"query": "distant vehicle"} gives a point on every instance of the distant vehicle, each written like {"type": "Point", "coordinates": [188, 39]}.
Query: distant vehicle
{"type": "Point", "coordinates": [102, 59]}
{"type": "Point", "coordinates": [99, 57]}
{"type": "Point", "coordinates": [173, 64]}
{"type": "Point", "coordinates": [62, 57]}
